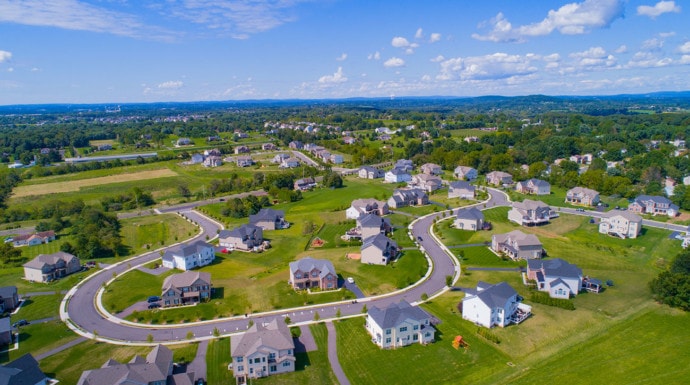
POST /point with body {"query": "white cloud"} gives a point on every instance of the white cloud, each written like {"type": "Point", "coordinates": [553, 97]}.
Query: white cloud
{"type": "Point", "coordinates": [394, 62]}
{"type": "Point", "coordinates": [374, 56]}
{"type": "Point", "coordinates": [593, 57]}
{"type": "Point", "coordinates": [570, 19]}
{"type": "Point", "coordinates": [171, 85]}
{"type": "Point", "coordinates": [419, 34]}
{"type": "Point", "coordinates": [658, 9]}
{"type": "Point", "coordinates": [495, 66]}
{"type": "Point", "coordinates": [426, 78]}
{"type": "Point", "coordinates": [438, 59]}
{"type": "Point", "coordinates": [685, 59]}
{"type": "Point", "coordinates": [5, 55]}
{"type": "Point", "coordinates": [400, 42]}
{"type": "Point", "coordinates": [622, 49]}
{"type": "Point", "coordinates": [685, 48]}
{"type": "Point", "coordinates": [434, 37]}
{"type": "Point", "coordinates": [337, 77]}
{"type": "Point", "coordinates": [648, 60]}
{"type": "Point", "coordinates": [341, 57]}
{"type": "Point", "coordinates": [11, 69]}
{"type": "Point", "coordinates": [652, 44]}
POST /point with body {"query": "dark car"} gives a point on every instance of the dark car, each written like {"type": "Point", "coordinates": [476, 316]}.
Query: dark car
{"type": "Point", "coordinates": [419, 239]}
{"type": "Point", "coordinates": [21, 322]}
{"type": "Point", "coordinates": [154, 305]}
{"type": "Point", "coordinates": [200, 381]}
{"type": "Point", "coordinates": [154, 298]}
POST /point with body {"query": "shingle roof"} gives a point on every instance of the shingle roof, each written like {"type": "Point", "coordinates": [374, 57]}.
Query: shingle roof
{"type": "Point", "coordinates": [471, 213]}
{"type": "Point", "coordinates": [397, 313]}
{"type": "Point", "coordinates": [245, 231]}
{"type": "Point", "coordinates": [379, 241]}
{"type": "Point", "coordinates": [23, 370]}
{"type": "Point", "coordinates": [556, 267]}
{"type": "Point", "coordinates": [495, 295]}
{"type": "Point", "coordinates": [630, 216]}
{"type": "Point", "coordinates": [372, 220]}
{"type": "Point", "coordinates": [185, 249]}
{"type": "Point", "coordinates": [529, 204]}
{"type": "Point", "coordinates": [154, 368]}
{"type": "Point", "coordinates": [8, 291]}
{"type": "Point", "coordinates": [461, 185]}
{"type": "Point", "coordinates": [185, 279]}
{"type": "Point", "coordinates": [308, 264]}
{"type": "Point", "coordinates": [51, 259]}
{"type": "Point", "coordinates": [275, 335]}
{"type": "Point", "coordinates": [266, 215]}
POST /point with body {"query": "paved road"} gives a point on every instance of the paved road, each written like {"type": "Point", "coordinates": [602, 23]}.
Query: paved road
{"type": "Point", "coordinates": [305, 159]}
{"type": "Point", "coordinates": [333, 355]}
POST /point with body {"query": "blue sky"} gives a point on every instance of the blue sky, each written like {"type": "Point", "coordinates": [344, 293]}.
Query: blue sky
{"type": "Point", "coordinates": [120, 51]}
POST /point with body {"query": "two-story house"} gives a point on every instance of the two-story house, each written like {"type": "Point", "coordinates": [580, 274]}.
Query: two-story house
{"type": "Point", "coordinates": [360, 207]}
{"type": "Point", "coordinates": [246, 238]}
{"type": "Point", "coordinates": [461, 189]}
{"type": "Point", "coordinates": [263, 350]}
{"type": "Point", "coordinates": [555, 276]}
{"type": "Point", "coordinates": [368, 172]}
{"type": "Point", "coordinates": [533, 186]}
{"type": "Point", "coordinates": [408, 197]}
{"type": "Point", "coordinates": [378, 250]}
{"type": "Point", "coordinates": [469, 219]}
{"type": "Point", "coordinates": [399, 324]}
{"type": "Point", "coordinates": [186, 288]}
{"type": "Point", "coordinates": [582, 196]}
{"type": "Point", "coordinates": [465, 173]}
{"type": "Point", "coordinates": [49, 267]}
{"type": "Point", "coordinates": [310, 273]}
{"type": "Point", "coordinates": [494, 305]}
{"type": "Point", "coordinates": [155, 369]}
{"type": "Point", "coordinates": [397, 175]}
{"type": "Point", "coordinates": [499, 178]}
{"type": "Point", "coordinates": [530, 213]}
{"type": "Point", "coordinates": [426, 182]}
{"type": "Point", "coordinates": [370, 225]}
{"type": "Point", "coordinates": [431, 169]}
{"type": "Point", "coordinates": [654, 205]}
{"type": "Point", "coordinates": [620, 223]}
{"type": "Point", "coordinates": [304, 184]}
{"type": "Point", "coordinates": [188, 256]}
{"type": "Point", "coordinates": [269, 219]}
{"type": "Point", "coordinates": [9, 299]}
{"type": "Point", "coordinates": [517, 245]}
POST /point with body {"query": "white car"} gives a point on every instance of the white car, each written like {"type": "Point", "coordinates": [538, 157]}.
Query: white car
{"type": "Point", "coordinates": [350, 280]}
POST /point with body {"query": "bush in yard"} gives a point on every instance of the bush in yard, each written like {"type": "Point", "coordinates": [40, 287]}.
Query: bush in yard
{"type": "Point", "coordinates": [544, 299]}
{"type": "Point", "coordinates": [488, 335]}
{"type": "Point", "coordinates": [295, 331]}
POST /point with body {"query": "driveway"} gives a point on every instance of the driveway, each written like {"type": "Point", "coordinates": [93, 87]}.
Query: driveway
{"type": "Point", "coordinates": [354, 289]}
{"type": "Point", "coordinates": [198, 365]}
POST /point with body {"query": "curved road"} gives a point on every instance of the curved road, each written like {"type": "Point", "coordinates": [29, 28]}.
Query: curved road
{"type": "Point", "coordinates": [81, 312]}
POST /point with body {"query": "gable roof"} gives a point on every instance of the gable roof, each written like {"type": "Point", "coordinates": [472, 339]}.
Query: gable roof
{"type": "Point", "coordinates": [245, 231]}
{"type": "Point", "coordinates": [380, 242]}
{"type": "Point", "coordinates": [529, 204]}
{"type": "Point", "coordinates": [471, 213]}
{"type": "Point", "coordinates": [396, 313]}
{"type": "Point", "coordinates": [496, 295]}
{"type": "Point", "coordinates": [51, 259]}
{"type": "Point", "coordinates": [265, 214]}
{"type": "Point", "coordinates": [461, 185]}
{"type": "Point", "coordinates": [8, 291]}
{"type": "Point", "coordinates": [154, 368]}
{"type": "Point", "coordinates": [185, 279]}
{"type": "Point", "coordinates": [275, 335]}
{"type": "Point", "coordinates": [556, 267]}
{"type": "Point", "coordinates": [630, 216]}
{"type": "Point", "coordinates": [582, 191]}
{"type": "Point", "coordinates": [372, 220]}
{"type": "Point", "coordinates": [308, 264]}
{"type": "Point", "coordinates": [23, 370]}
{"type": "Point", "coordinates": [186, 249]}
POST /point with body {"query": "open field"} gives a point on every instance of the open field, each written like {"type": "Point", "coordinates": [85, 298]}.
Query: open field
{"type": "Point", "coordinates": [62, 187]}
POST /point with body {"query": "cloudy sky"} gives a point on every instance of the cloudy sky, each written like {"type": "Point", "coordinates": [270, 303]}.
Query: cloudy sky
{"type": "Point", "coordinates": [119, 51]}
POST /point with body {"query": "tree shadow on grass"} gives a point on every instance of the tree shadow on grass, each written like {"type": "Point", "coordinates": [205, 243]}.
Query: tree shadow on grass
{"type": "Point", "coordinates": [302, 361]}
{"type": "Point", "coordinates": [218, 293]}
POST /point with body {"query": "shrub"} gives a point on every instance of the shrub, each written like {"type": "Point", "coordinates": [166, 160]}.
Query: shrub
{"type": "Point", "coordinates": [544, 299]}
{"type": "Point", "coordinates": [488, 335]}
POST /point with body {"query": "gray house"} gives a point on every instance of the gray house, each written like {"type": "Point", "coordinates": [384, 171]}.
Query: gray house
{"type": "Point", "coordinates": [517, 245]}
{"type": "Point", "coordinates": [269, 219]}
{"type": "Point", "coordinates": [48, 267]}
{"type": "Point", "coordinates": [264, 350]}
{"type": "Point", "coordinates": [186, 288]}
{"type": "Point", "coordinates": [469, 219]}
{"type": "Point", "coordinates": [461, 189]}
{"type": "Point", "coordinates": [5, 332]}
{"type": "Point", "coordinates": [372, 224]}
{"type": "Point", "coordinates": [399, 324]}
{"type": "Point", "coordinates": [22, 371]}
{"type": "Point", "coordinates": [378, 250]}
{"type": "Point", "coordinates": [408, 197]}
{"type": "Point", "coordinates": [9, 300]}
{"type": "Point", "coordinates": [529, 213]}
{"type": "Point", "coordinates": [246, 238]}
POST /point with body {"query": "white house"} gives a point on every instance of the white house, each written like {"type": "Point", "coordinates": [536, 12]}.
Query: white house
{"type": "Point", "coordinates": [555, 276]}
{"type": "Point", "coordinates": [399, 324]}
{"type": "Point", "coordinates": [461, 189]}
{"type": "Point", "coordinates": [263, 350]}
{"type": "Point", "coordinates": [469, 219]}
{"type": "Point", "coordinates": [360, 207]}
{"type": "Point", "coordinates": [533, 186]}
{"type": "Point", "coordinates": [494, 305]}
{"type": "Point", "coordinates": [368, 172]}
{"type": "Point", "coordinates": [378, 250]}
{"type": "Point", "coordinates": [431, 169]}
{"type": "Point", "coordinates": [397, 175]}
{"type": "Point", "coordinates": [188, 256]}
{"type": "Point", "coordinates": [620, 223]}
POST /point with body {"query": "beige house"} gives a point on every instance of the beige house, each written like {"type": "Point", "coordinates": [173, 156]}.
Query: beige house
{"type": "Point", "coordinates": [469, 219]}
{"type": "Point", "coordinates": [308, 273]}
{"type": "Point", "coordinates": [269, 219]}
{"type": "Point", "coordinates": [620, 223]}
{"type": "Point", "coordinates": [155, 369]}
{"type": "Point", "coordinates": [408, 197]}
{"type": "Point", "coordinates": [378, 250]}
{"type": "Point", "coordinates": [361, 207]}
{"type": "Point", "coordinates": [517, 245]}
{"type": "Point", "coordinates": [534, 187]}
{"type": "Point", "coordinates": [263, 350]}
{"type": "Point", "coordinates": [582, 196]}
{"type": "Point", "coordinates": [49, 267]}
{"type": "Point", "coordinates": [427, 182]}
{"type": "Point", "coordinates": [186, 288]}
{"type": "Point", "coordinates": [246, 238]}
{"type": "Point", "coordinates": [431, 169]}
{"type": "Point", "coordinates": [461, 189]}
{"type": "Point", "coordinates": [499, 178]}
{"type": "Point", "coordinates": [530, 213]}
{"type": "Point", "coordinates": [465, 173]}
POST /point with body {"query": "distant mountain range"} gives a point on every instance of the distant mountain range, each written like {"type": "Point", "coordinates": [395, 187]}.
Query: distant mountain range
{"type": "Point", "coordinates": [679, 99]}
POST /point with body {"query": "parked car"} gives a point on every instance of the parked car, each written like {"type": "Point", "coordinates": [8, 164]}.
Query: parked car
{"type": "Point", "coordinates": [21, 322]}
{"type": "Point", "coordinates": [200, 381]}
{"type": "Point", "coordinates": [419, 239]}
{"type": "Point", "coordinates": [154, 305]}
{"type": "Point", "coordinates": [350, 280]}
{"type": "Point", "coordinates": [154, 298]}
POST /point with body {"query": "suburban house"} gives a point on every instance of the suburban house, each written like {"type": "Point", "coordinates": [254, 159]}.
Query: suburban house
{"type": "Point", "coordinates": [304, 184]}
{"type": "Point", "coordinates": [465, 173]}
{"type": "Point", "coordinates": [517, 245]}
{"type": "Point", "coordinates": [246, 238]}
{"type": "Point", "coordinates": [431, 169]}
{"type": "Point", "coordinates": [404, 164]}
{"type": "Point", "coordinates": [529, 213]}
{"type": "Point", "coordinates": [196, 158]}
{"type": "Point", "coordinates": [48, 267]}
{"type": "Point", "coordinates": [33, 239]}
{"type": "Point", "coordinates": [582, 196]}
{"type": "Point", "coordinates": [5, 332]}
{"type": "Point", "coordinates": [268, 147]}
{"type": "Point", "coordinates": [555, 276]}
{"type": "Point", "coordinates": [399, 324]}
{"type": "Point", "coordinates": [426, 182]}
{"type": "Point", "coordinates": [408, 197]}
{"type": "Point", "coordinates": [469, 219]}
{"type": "Point", "coordinates": [263, 350]}
{"type": "Point", "coordinates": [309, 273]}
{"type": "Point", "coordinates": [279, 158]}
{"type": "Point", "coordinates": [23, 370]}
{"type": "Point", "coordinates": [620, 223]}
{"type": "Point", "coordinates": [371, 224]}
{"type": "Point", "coordinates": [368, 172]}
{"type": "Point", "coordinates": [654, 205]}
{"type": "Point", "coordinates": [336, 158]}
{"type": "Point", "coordinates": [360, 207]}
{"type": "Point", "coordinates": [499, 178]}
{"type": "Point", "coordinates": [188, 256]}
{"type": "Point", "coordinates": [289, 163]}
{"type": "Point", "coordinates": [461, 189]}
{"type": "Point", "coordinates": [244, 161]}
{"type": "Point", "coordinates": [213, 161]}
{"type": "Point", "coordinates": [183, 142]}
{"type": "Point", "coordinates": [9, 299]}
{"type": "Point", "coordinates": [378, 250]}
{"type": "Point", "coordinates": [533, 186]}
{"type": "Point", "coordinates": [155, 369]}
{"type": "Point", "coordinates": [397, 175]}
{"type": "Point", "coordinates": [349, 140]}
{"type": "Point", "coordinates": [269, 219]}
{"type": "Point", "coordinates": [296, 145]}
{"type": "Point", "coordinates": [494, 305]}
{"type": "Point", "coordinates": [242, 150]}
{"type": "Point", "coordinates": [186, 288]}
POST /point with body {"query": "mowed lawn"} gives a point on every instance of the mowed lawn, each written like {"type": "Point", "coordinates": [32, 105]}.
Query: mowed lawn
{"type": "Point", "coordinates": [76, 185]}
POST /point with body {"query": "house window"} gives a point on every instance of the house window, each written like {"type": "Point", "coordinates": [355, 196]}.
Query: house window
{"type": "Point", "coordinates": [257, 360]}
{"type": "Point", "coordinates": [415, 337]}
{"type": "Point", "coordinates": [240, 368]}
{"type": "Point", "coordinates": [388, 331]}
{"type": "Point", "coordinates": [314, 273]}
{"type": "Point", "coordinates": [298, 276]}
{"type": "Point", "coordinates": [239, 359]}
{"type": "Point", "coordinates": [403, 329]}
{"type": "Point", "coordinates": [415, 327]}
{"type": "Point", "coordinates": [388, 340]}
{"type": "Point", "coordinates": [286, 364]}
{"type": "Point", "coordinates": [273, 368]}
{"type": "Point", "coordinates": [251, 370]}
{"type": "Point", "coordinates": [271, 356]}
